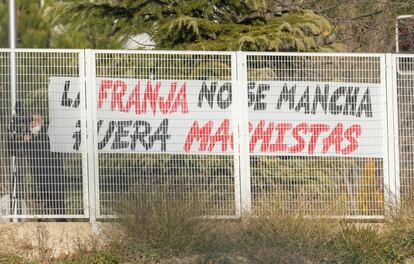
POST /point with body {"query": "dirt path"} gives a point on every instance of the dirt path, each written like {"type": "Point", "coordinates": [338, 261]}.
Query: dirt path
{"type": "Point", "coordinates": [47, 240]}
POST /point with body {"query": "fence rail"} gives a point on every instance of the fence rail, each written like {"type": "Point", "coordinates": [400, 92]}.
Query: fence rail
{"type": "Point", "coordinates": [320, 133]}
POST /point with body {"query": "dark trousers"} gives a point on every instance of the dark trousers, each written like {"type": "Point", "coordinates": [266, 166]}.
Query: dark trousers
{"type": "Point", "coordinates": [48, 180]}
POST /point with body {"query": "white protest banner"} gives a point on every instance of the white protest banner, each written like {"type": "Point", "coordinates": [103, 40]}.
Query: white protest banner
{"type": "Point", "coordinates": [195, 117]}
{"type": "Point", "coordinates": [315, 119]}
{"type": "Point", "coordinates": [146, 116]}
{"type": "Point", "coordinates": [64, 114]}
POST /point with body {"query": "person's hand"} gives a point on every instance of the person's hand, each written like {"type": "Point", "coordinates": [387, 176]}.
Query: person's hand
{"type": "Point", "coordinates": [27, 138]}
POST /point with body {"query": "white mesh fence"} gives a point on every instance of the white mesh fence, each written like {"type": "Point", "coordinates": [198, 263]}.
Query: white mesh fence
{"type": "Point", "coordinates": [37, 182]}
{"type": "Point", "coordinates": [5, 113]}
{"type": "Point", "coordinates": [231, 131]}
{"type": "Point", "coordinates": [318, 127]}
{"type": "Point", "coordinates": [164, 130]}
{"type": "Point", "coordinates": [405, 89]}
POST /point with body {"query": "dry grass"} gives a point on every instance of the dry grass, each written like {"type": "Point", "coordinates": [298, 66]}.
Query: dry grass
{"type": "Point", "coordinates": [162, 231]}
{"type": "Point", "coordinates": [33, 242]}
{"type": "Point", "coordinates": [158, 231]}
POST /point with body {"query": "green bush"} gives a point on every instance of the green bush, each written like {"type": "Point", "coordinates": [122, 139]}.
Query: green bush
{"type": "Point", "coordinates": [100, 257]}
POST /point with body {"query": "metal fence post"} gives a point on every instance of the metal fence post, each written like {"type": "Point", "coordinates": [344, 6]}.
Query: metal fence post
{"type": "Point", "coordinates": [91, 136]}
{"type": "Point", "coordinates": [391, 162]}
{"type": "Point", "coordinates": [236, 133]}
{"type": "Point", "coordinates": [12, 113]}
{"type": "Point", "coordinates": [84, 132]}
{"type": "Point", "coordinates": [244, 133]}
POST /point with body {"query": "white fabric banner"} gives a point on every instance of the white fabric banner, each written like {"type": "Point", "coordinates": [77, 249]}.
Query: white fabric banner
{"type": "Point", "coordinates": [195, 117]}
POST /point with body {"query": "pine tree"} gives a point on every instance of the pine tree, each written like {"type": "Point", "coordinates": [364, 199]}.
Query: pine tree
{"type": "Point", "coordinates": [32, 30]}
{"type": "Point", "coordinates": [4, 36]}
{"type": "Point", "coordinates": [36, 30]}
{"type": "Point", "coordinates": [205, 24]}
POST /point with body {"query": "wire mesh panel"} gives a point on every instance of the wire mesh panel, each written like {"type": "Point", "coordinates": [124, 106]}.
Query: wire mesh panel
{"type": "Point", "coordinates": [317, 127]}
{"type": "Point", "coordinates": [168, 126]}
{"type": "Point", "coordinates": [165, 130]}
{"type": "Point", "coordinates": [405, 96]}
{"type": "Point", "coordinates": [5, 168]}
{"type": "Point", "coordinates": [37, 179]}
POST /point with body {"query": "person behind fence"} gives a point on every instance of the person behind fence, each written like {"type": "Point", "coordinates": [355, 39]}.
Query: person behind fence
{"type": "Point", "coordinates": [46, 167]}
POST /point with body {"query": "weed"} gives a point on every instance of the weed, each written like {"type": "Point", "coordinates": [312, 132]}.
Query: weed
{"type": "Point", "coordinates": [359, 244]}
{"type": "Point", "coordinates": [162, 230]}
{"type": "Point", "coordinates": [162, 226]}
{"type": "Point", "coordinates": [99, 257]}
